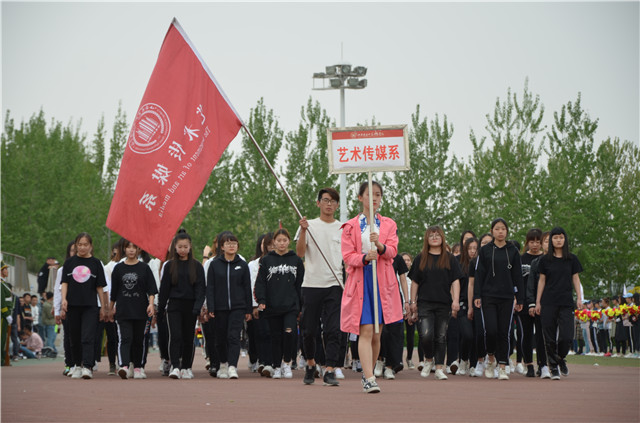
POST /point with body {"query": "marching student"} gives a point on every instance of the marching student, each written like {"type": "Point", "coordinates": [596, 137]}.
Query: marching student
{"type": "Point", "coordinates": [531, 292]}
{"type": "Point", "coordinates": [478, 350]}
{"type": "Point", "coordinates": [258, 327]}
{"type": "Point", "coordinates": [498, 281]}
{"type": "Point", "coordinates": [82, 278]}
{"type": "Point", "coordinates": [182, 293]}
{"type": "Point", "coordinates": [436, 275]}
{"type": "Point", "coordinates": [410, 326]}
{"type": "Point", "coordinates": [133, 289]}
{"type": "Point", "coordinates": [469, 253]}
{"type": "Point", "coordinates": [526, 322]}
{"type": "Point", "coordinates": [229, 303]}
{"type": "Point", "coordinates": [57, 304]}
{"type": "Point", "coordinates": [322, 286]}
{"type": "Point", "coordinates": [277, 292]}
{"type": "Point", "coordinates": [357, 310]}
{"type": "Point", "coordinates": [559, 271]}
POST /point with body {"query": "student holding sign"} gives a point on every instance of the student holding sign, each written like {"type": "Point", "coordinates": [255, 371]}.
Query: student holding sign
{"type": "Point", "coordinates": [357, 312]}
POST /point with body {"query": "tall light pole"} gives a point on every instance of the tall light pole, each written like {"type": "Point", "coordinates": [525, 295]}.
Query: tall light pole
{"type": "Point", "coordinates": [341, 77]}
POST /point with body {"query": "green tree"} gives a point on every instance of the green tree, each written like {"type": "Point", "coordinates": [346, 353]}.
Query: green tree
{"type": "Point", "coordinates": [117, 142]}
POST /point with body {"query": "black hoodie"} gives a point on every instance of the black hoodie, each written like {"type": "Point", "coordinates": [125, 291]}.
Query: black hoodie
{"type": "Point", "coordinates": [279, 281]}
{"type": "Point", "coordinates": [498, 273]}
{"type": "Point", "coordinates": [229, 285]}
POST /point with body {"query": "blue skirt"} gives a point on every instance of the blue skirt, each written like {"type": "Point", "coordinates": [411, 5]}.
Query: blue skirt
{"type": "Point", "coordinates": [367, 317]}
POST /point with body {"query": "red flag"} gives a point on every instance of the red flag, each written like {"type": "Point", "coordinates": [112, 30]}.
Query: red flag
{"type": "Point", "coordinates": [181, 129]}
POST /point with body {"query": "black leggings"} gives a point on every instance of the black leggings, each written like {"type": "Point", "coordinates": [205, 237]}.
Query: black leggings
{"type": "Point", "coordinates": [497, 314]}
{"type": "Point", "coordinates": [525, 324]}
{"type": "Point", "coordinates": [465, 327]}
{"type": "Point", "coordinates": [281, 329]}
{"type": "Point", "coordinates": [410, 338]}
{"type": "Point", "coordinates": [182, 327]}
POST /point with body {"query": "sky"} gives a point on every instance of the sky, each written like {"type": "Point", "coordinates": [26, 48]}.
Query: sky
{"type": "Point", "coordinates": [77, 61]}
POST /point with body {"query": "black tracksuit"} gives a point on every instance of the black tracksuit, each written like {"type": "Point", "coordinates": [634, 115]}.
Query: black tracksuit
{"type": "Point", "coordinates": [182, 302]}
{"type": "Point", "coordinates": [498, 279]}
{"type": "Point", "coordinates": [229, 298]}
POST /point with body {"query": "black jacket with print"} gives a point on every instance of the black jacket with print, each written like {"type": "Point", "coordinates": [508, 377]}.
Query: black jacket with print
{"type": "Point", "coordinates": [279, 281]}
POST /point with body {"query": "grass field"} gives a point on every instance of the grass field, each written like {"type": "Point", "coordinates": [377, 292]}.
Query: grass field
{"type": "Point", "coordinates": [603, 361]}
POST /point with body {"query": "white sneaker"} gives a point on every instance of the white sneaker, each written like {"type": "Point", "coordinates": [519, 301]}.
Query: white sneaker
{"type": "Point", "coordinates": [410, 365]}
{"type": "Point", "coordinates": [507, 369]}
{"type": "Point", "coordinates": [302, 363]}
{"type": "Point", "coordinates": [223, 373]}
{"type": "Point", "coordinates": [520, 368]}
{"type": "Point", "coordinates": [420, 366]}
{"type": "Point", "coordinates": [453, 367]}
{"type": "Point", "coordinates": [490, 370]}
{"type": "Point", "coordinates": [174, 373]}
{"type": "Point", "coordinates": [462, 370]}
{"type": "Point", "coordinates": [472, 372]}
{"type": "Point", "coordinates": [479, 369]}
{"type": "Point", "coordinates": [233, 372]}
{"type": "Point", "coordinates": [95, 366]}
{"type": "Point", "coordinates": [502, 373]}
{"type": "Point", "coordinates": [440, 375]}
{"type": "Point", "coordinates": [354, 365]}
{"type": "Point", "coordinates": [448, 370]}
{"type": "Point", "coordinates": [545, 373]}
{"type": "Point", "coordinates": [286, 371]}
{"type": "Point", "coordinates": [87, 373]}
{"type": "Point", "coordinates": [130, 371]}
{"type": "Point", "coordinates": [511, 367]}
{"type": "Point", "coordinates": [71, 370]}
{"type": "Point", "coordinates": [137, 374]}
{"type": "Point", "coordinates": [388, 373]}
{"type": "Point", "coordinates": [277, 373]}
{"type": "Point", "coordinates": [76, 373]}
{"type": "Point", "coordinates": [339, 374]}
{"type": "Point", "coordinates": [243, 353]}
{"type": "Point", "coordinates": [189, 374]}
{"type": "Point", "coordinates": [426, 370]}
{"type": "Point", "coordinates": [377, 372]}
{"type": "Point", "coordinates": [142, 373]}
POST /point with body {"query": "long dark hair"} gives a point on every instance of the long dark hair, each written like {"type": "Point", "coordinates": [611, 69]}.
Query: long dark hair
{"type": "Point", "coordinates": [565, 248]}
{"type": "Point", "coordinates": [259, 253]}
{"type": "Point", "coordinates": [425, 258]}
{"type": "Point", "coordinates": [180, 236]}
{"type": "Point", "coordinates": [69, 245]}
{"type": "Point", "coordinates": [464, 254]}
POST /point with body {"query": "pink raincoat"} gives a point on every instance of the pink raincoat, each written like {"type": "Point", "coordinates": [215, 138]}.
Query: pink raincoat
{"type": "Point", "coordinates": [352, 297]}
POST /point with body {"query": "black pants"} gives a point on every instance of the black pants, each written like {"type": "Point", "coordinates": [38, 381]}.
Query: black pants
{"type": "Point", "coordinates": [281, 328]}
{"type": "Point", "coordinates": [593, 331]}
{"type": "Point", "coordinates": [182, 328]}
{"type": "Point", "coordinates": [603, 340]}
{"type": "Point", "coordinates": [321, 304]}
{"type": "Point", "coordinates": [82, 324]}
{"type": "Point", "coordinates": [497, 314]}
{"type": "Point", "coordinates": [253, 346]}
{"type": "Point", "coordinates": [392, 339]}
{"type": "Point", "coordinates": [130, 341]}
{"type": "Point", "coordinates": [453, 341]}
{"type": "Point", "coordinates": [147, 341]}
{"type": "Point", "coordinates": [209, 334]}
{"type": "Point", "coordinates": [112, 341]}
{"type": "Point", "coordinates": [434, 319]}
{"type": "Point", "coordinates": [410, 330]}
{"type": "Point", "coordinates": [228, 325]}
{"type": "Point", "coordinates": [557, 327]}
{"type": "Point", "coordinates": [263, 339]}
{"type": "Point", "coordinates": [525, 324]}
{"type": "Point", "coordinates": [479, 347]}
{"type": "Point", "coordinates": [541, 347]}
{"type": "Point", "coordinates": [163, 335]}
{"type": "Point", "coordinates": [465, 327]}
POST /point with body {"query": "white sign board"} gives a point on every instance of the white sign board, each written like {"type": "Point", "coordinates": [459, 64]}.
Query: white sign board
{"type": "Point", "coordinates": [368, 149]}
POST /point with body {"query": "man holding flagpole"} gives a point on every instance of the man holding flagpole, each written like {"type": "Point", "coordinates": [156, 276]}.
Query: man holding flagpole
{"type": "Point", "coordinates": [322, 286]}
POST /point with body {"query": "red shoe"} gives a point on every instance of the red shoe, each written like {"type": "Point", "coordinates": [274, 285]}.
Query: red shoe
{"type": "Point", "coordinates": [608, 354]}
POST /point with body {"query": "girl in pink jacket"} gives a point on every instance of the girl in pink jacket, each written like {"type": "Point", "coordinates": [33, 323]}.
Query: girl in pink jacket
{"type": "Point", "coordinates": [357, 299]}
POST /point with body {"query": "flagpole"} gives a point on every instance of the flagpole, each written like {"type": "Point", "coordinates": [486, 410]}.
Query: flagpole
{"type": "Point", "coordinates": [374, 270]}
{"type": "Point", "coordinates": [290, 199]}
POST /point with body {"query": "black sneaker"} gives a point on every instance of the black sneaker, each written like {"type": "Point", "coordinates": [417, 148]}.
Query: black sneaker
{"type": "Point", "coordinates": [329, 379]}
{"type": "Point", "coordinates": [539, 371]}
{"type": "Point", "coordinates": [213, 372]}
{"type": "Point", "coordinates": [555, 374]}
{"type": "Point", "coordinates": [309, 375]}
{"type": "Point", "coordinates": [564, 370]}
{"type": "Point", "coordinates": [530, 371]}
{"type": "Point", "coordinates": [370, 387]}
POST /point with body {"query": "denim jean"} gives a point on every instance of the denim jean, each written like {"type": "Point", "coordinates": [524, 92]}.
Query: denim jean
{"type": "Point", "coordinates": [50, 336]}
{"type": "Point", "coordinates": [27, 352]}
{"type": "Point", "coordinates": [434, 320]}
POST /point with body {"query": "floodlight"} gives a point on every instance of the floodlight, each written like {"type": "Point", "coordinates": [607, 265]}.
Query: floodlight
{"type": "Point", "coordinates": [346, 69]}
{"type": "Point", "coordinates": [331, 70]}
{"type": "Point", "coordinates": [360, 70]}
{"type": "Point", "coordinates": [362, 83]}
{"type": "Point", "coordinates": [335, 82]}
{"type": "Point", "coordinates": [352, 82]}
{"type": "Point", "coordinates": [319, 75]}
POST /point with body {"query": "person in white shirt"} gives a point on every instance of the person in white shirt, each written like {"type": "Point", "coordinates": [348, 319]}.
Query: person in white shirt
{"type": "Point", "coordinates": [322, 287]}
